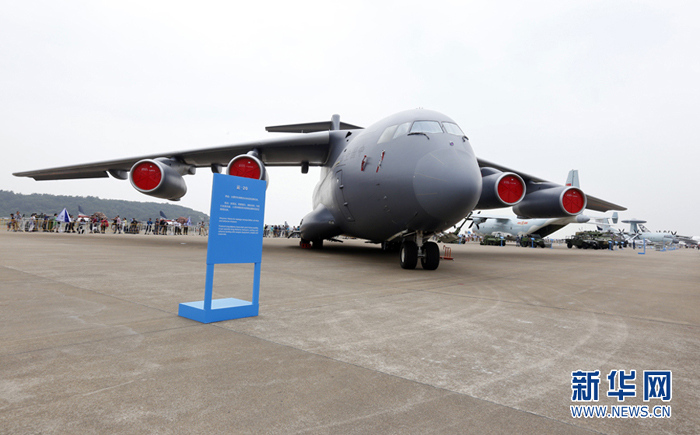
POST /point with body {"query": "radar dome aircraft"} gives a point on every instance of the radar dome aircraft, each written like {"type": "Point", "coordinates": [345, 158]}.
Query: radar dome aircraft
{"type": "Point", "coordinates": [640, 232]}
{"type": "Point", "coordinates": [398, 182]}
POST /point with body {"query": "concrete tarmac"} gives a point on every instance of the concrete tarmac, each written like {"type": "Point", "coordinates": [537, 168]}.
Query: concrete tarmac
{"type": "Point", "coordinates": [346, 341]}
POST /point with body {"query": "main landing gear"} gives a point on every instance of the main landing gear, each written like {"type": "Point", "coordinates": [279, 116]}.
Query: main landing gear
{"type": "Point", "coordinates": [429, 255]}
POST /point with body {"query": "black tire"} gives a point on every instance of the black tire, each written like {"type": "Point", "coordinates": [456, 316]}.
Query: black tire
{"type": "Point", "coordinates": [431, 256]}
{"type": "Point", "coordinates": [317, 244]}
{"type": "Point", "coordinates": [408, 255]}
{"type": "Point", "coordinates": [569, 245]}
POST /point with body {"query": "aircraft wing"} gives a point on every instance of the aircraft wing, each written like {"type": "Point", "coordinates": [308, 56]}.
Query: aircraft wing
{"type": "Point", "coordinates": [283, 151]}
{"type": "Point", "coordinates": [502, 219]}
{"type": "Point", "coordinates": [593, 203]}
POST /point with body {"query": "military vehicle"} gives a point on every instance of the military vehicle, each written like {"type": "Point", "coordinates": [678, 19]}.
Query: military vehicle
{"type": "Point", "coordinates": [593, 240]}
{"type": "Point", "coordinates": [534, 240]}
{"type": "Point", "coordinates": [493, 240]}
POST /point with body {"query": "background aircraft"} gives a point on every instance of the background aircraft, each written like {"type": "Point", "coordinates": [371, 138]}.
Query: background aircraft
{"type": "Point", "coordinates": [639, 233]}
{"type": "Point", "coordinates": [605, 223]}
{"type": "Point", "coordinates": [512, 227]}
{"type": "Point", "coordinates": [398, 182]}
{"type": "Point", "coordinates": [82, 217]}
{"type": "Point", "coordinates": [688, 241]}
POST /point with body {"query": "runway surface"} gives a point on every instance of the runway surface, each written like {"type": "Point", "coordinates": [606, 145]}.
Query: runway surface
{"type": "Point", "coordinates": [346, 341]}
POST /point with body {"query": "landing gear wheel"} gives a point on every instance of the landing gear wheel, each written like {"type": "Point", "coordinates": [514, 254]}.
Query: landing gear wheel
{"type": "Point", "coordinates": [317, 244]}
{"type": "Point", "coordinates": [431, 256]}
{"type": "Point", "coordinates": [408, 255]}
{"type": "Point", "coordinates": [305, 244]}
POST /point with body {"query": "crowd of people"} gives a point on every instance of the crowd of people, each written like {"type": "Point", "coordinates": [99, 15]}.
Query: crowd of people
{"type": "Point", "coordinates": [98, 223]}
{"type": "Point", "coordinates": [281, 231]}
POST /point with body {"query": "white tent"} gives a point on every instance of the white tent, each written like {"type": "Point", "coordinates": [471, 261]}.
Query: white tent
{"type": "Point", "coordinates": [63, 216]}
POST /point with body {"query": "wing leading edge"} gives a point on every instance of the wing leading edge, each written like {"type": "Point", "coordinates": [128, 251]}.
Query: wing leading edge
{"type": "Point", "coordinates": [311, 148]}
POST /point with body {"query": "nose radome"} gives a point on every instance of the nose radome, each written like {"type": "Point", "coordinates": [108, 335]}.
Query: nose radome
{"type": "Point", "coordinates": [447, 183]}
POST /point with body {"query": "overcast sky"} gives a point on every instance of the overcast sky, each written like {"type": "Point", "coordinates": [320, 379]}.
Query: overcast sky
{"type": "Point", "coordinates": [611, 88]}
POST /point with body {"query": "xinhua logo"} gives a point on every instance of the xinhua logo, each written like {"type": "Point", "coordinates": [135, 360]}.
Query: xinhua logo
{"type": "Point", "coordinates": [656, 386]}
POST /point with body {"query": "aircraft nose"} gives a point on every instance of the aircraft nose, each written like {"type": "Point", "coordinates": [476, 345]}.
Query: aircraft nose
{"type": "Point", "coordinates": [447, 183]}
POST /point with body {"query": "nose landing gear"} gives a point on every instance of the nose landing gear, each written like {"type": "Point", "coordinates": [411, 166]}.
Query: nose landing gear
{"type": "Point", "coordinates": [410, 252]}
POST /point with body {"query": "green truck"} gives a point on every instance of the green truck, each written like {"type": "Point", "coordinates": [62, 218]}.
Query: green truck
{"type": "Point", "coordinates": [594, 240]}
{"type": "Point", "coordinates": [534, 240]}
{"type": "Point", "coordinates": [493, 240]}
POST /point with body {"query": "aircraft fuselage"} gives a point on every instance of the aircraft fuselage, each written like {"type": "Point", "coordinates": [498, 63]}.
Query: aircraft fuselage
{"type": "Point", "coordinates": [390, 178]}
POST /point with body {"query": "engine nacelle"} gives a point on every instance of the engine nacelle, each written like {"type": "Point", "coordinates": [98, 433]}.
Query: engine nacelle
{"type": "Point", "coordinates": [161, 178]}
{"type": "Point", "coordinates": [551, 202]}
{"type": "Point", "coordinates": [500, 189]}
{"type": "Point", "coordinates": [247, 166]}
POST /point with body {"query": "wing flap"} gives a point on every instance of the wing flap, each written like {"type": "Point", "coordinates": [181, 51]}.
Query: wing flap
{"type": "Point", "coordinates": [598, 204]}
{"type": "Point", "coordinates": [62, 175]}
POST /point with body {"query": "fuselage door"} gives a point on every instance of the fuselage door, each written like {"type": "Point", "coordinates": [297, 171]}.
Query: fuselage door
{"type": "Point", "coordinates": [340, 197]}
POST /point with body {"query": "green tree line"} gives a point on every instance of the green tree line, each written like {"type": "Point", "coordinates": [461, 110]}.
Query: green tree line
{"type": "Point", "coordinates": [39, 203]}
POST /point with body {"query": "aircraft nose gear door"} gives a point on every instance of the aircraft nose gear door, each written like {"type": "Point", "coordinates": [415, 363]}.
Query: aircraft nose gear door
{"type": "Point", "coordinates": [340, 197]}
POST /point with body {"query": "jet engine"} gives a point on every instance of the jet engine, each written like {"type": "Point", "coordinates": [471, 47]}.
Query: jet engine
{"type": "Point", "coordinates": [247, 166]}
{"type": "Point", "coordinates": [551, 201]}
{"type": "Point", "coordinates": [500, 189]}
{"type": "Point", "coordinates": [161, 177]}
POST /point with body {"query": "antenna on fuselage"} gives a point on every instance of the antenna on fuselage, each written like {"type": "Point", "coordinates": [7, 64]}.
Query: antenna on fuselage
{"type": "Point", "coordinates": [335, 122]}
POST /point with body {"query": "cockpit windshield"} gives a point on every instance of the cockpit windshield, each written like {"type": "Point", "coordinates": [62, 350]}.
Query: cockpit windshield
{"type": "Point", "coordinates": [419, 127]}
{"type": "Point", "coordinates": [452, 128]}
{"type": "Point", "coordinates": [426, 127]}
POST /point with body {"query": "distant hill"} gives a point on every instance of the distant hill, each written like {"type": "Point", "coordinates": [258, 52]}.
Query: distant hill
{"type": "Point", "coordinates": [10, 202]}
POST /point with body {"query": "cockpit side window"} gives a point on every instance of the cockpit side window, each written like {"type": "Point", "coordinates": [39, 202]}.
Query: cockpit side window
{"type": "Point", "coordinates": [426, 127]}
{"type": "Point", "coordinates": [452, 128]}
{"type": "Point", "coordinates": [402, 130]}
{"type": "Point", "coordinates": [388, 134]}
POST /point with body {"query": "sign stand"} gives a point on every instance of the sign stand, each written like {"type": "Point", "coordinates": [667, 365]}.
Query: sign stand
{"type": "Point", "coordinates": [235, 236]}
{"type": "Point", "coordinates": [645, 248]}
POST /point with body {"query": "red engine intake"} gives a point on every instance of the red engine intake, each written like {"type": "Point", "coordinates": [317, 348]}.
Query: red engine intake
{"type": "Point", "coordinates": [159, 178]}
{"type": "Point", "coordinates": [247, 166]}
{"type": "Point", "coordinates": [500, 189]}
{"type": "Point", "coordinates": [551, 202]}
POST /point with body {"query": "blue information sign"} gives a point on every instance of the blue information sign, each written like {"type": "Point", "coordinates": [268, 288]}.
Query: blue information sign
{"type": "Point", "coordinates": [235, 236]}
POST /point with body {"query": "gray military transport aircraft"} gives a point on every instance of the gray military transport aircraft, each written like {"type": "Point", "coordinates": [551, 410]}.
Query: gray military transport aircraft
{"type": "Point", "coordinates": [398, 182]}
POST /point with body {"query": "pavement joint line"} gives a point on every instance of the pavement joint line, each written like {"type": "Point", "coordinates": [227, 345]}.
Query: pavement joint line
{"type": "Point", "coordinates": [342, 302]}
{"type": "Point", "coordinates": [603, 313]}
{"type": "Point", "coordinates": [391, 287]}
{"type": "Point", "coordinates": [116, 337]}
{"type": "Point", "coordinates": [91, 290]}
{"type": "Point", "coordinates": [216, 325]}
